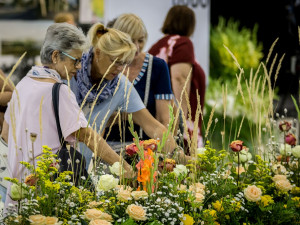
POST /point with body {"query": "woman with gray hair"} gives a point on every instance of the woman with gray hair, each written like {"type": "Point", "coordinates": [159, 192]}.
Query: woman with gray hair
{"type": "Point", "coordinates": [30, 111]}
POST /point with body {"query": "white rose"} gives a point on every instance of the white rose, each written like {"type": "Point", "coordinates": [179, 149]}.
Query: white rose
{"type": "Point", "coordinates": [139, 194]}
{"type": "Point", "coordinates": [180, 169]}
{"type": "Point", "coordinates": [296, 151]}
{"type": "Point", "coordinates": [107, 182]}
{"type": "Point", "coordinates": [287, 151]}
{"type": "Point", "coordinates": [200, 151]}
{"type": "Point", "coordinates": [245, 156]}
{"type": "Point", "coordinates": [252, 193]}
{"type": "Point", "coordinates": [116, 168]}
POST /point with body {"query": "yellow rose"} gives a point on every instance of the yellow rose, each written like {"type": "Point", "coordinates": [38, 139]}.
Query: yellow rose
{"type": "Point", "coordinates": [197, 188]}
{"type": "Point", "coordinates": [252, 193]}
{"type": "Point", "coordinates": [279, 177]}
{"type": "Point", "coordinates": [136, 212]}
{"type": "Point", "coordinates": [95, 204]}
{"type": "Point", "coordinates": [91, 214]}
{"type": "Point", "coordinates": [139, 194]}
{"type": "Point", "coordinates": [182, 187]}
{"type": "Point", "coordinates": [283, 185]}
{"type": "Point", "coordinates": [218, 206]}
{"type": "Point", "coordinates": [187, 220]}
{"type": "Point", "coordinates": [37, 220]}
{"type": "Point", "coordinates": [199, 197]}
{"type": "Point", "coordinates": [107, 217]}
{"type": "Point", "coordinates": [124, 195]}
{"type": "Point", "coordinates": [123, 187]}
{"type": "Point", "coordinates": [100, 222]}
{"type": "Point", "coordinates": [51, 220]}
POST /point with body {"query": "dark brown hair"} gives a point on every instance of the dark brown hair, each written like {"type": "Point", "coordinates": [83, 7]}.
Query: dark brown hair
{"type": "Point", "coordinates": [179, 20]}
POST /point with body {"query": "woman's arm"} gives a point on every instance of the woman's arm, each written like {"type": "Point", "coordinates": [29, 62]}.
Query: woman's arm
{"type": "Point", "coordinates": [101, 149]}
{"type": "Point", "coordinates": [4, 132]}
{"type": "Point", "coordinates": [153, 128]}
{"type": "Point", "coordinates": [5, 96]}
{"type": "Point", "coordinates": [162, 111]}
{"type": "Point", "coordinates": [179, 74]}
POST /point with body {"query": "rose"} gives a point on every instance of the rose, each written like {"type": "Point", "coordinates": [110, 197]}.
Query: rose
{"type": "Point", "coordinates": [286, 151]}
{"type": "Point", "coordinates": [187, 220]}
{"type": "Point", "coordinates": [139, 194]}
{"type": "Point", "coordinates": [91, 214]}
{"type": "Point", "coordinates": [278, 169]}
{"type": "Point", "coordinates": [94, 204]}
{"type": "Point", "coordinates": [116, 168]}
{"type": "Point", "coordinates": [107, 217]}
{"type": "Point", "coordinates": [124, 195]}
{"type": "Point", "coordinates": [279, 177]}
{"type": "Point", "coordinates": [290, 139]}
{"type": "Point", "coordinates": [136, 212]}
{"type": "Point", "coordinates": [180, 169]}
{"type": "Point", "coordinates": [131, 149]}
{"type": "Point", "coordinates": [283, 185]}
{"type": "Point", "coordinates": [31, 180]}
{"type": "Point", "coordinates": [107, 182]}
{"type": "Point", "coordinates": [285, 126]}
{"type": "Point", "coordinates": [236, 145]}
{"type": "Point", "coordinates": [197, 188]}
{"type": "Point", "coordinates": [182, 187]}
{"type": "Point", "coordinates": [37, 219]}
{"type": "Point", "coordinates": [170, 164]}
{"type": "Point", "coordinates": [199, 197]}
{"type": "Point", "coordinates": [123, 187]}
{"type": "Point", "coordinates": [200, 151]}
{"type": "Point", "coordinates": [296, 151]}
{"type": "Point", "coordinates": [17, 192]}
{"type": "Point", "coordinates": [240, 170]}
{"type": "Point", "coordinates": [100, 222]}
{"type": "Point", "coordinates": [51, 220]}
{"type": "Point", "coordinates": [252, 193]}
{"type": "Point", "coordinates": [151, 143]}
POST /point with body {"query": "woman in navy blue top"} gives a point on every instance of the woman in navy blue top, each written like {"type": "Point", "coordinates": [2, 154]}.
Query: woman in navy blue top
{"type": "Point", "coordinates": [158, 95]}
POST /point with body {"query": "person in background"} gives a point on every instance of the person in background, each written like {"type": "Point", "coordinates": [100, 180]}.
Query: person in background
{"type": "Point", "coordinates": [177, 50]}
{"type": "Point", "coordinates": [103, 89]}
{"type": "Point", "coordinates": [64, 17]}
{"type": "Point", "coordinates": [5, 96]}
{"type": "Point", "coordinates": [156, 92]}
{"type": "Point", "coordinates": [30, 110]}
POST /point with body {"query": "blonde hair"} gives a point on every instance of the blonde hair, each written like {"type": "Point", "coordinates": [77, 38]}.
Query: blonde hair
{"type": "Point", "coordinates": [63, 17]}
{"type": "Point", "coordinates": [132, 25]}
{"type": "Point", "coordinates": [112, 42]}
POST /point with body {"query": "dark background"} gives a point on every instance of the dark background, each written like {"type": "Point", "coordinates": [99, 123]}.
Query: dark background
{"type": "Point", "coordinates": [275, 19]}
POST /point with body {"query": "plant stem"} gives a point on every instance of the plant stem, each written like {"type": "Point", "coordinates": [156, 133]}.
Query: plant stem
{"type": "Point", "coordinates": [238, 175]}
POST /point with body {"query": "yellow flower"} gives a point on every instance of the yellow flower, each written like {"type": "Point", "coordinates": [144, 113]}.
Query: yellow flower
{"type": "Point", "coordinates": [297, 201]}
{"type": "Point", "coordinates": [187, 220]}
{"type": "Point", "coordinates": [285, 206]}
{"type": "Point", "coordinates": [218, 206]}
{"type": "Point", "coordinates": [236, 205]}
{"type": "Point", "coordinates": [266, 200]}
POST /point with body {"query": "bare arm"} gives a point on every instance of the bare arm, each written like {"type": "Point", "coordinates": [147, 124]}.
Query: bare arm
{"type": "Point", "coordinates": [153, 128]}
{"type": "Point", "coordinates": [4, 132]}
{"type": "Point", "coordinates": [179, 74]}
{"type": "Point", "coordinates": [100, 148]}
{"type": "Point", "coordinates": [162, 111]}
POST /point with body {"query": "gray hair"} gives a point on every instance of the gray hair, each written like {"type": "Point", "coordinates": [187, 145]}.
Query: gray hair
{"type": "Point", "coordinates": [62, 37]}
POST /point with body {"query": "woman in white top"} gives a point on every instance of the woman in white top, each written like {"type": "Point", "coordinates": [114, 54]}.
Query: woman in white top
{"type": "Point", "coordinates": [30, 110]}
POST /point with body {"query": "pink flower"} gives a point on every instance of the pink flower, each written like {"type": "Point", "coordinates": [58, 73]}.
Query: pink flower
{"type": "Point", "coordinates": [285, 126]}
{"type": "Point", "coordinates": [236, 145]}
{"type": "Point", "coordinates": [131, 149]}
{"type": "Point", "coordinates": [290, 139]}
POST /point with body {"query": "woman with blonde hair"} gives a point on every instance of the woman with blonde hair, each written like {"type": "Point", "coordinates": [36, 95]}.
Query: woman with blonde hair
{"type": "Point", "coordinates": [102, 88]}
{"type": "Point", "coordinates": [149, 75]}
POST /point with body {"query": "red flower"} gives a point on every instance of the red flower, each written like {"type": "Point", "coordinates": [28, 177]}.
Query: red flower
{"type": "Point", "coordinates": [151, 143]}
{"type": "Point", "coordinates": [236, 145]}
{"type": "Point", "coordinates": [290, 139]}
{"type": "Point", "coordinates": [285, 126]}
{"type": "Point", "coordinates": [131, 149]}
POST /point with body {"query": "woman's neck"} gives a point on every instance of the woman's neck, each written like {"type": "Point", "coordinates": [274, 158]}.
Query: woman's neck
{"type": "Point", "coordinates": [95, 75]}
{"type": "Point", "coordinates": [136, 66]}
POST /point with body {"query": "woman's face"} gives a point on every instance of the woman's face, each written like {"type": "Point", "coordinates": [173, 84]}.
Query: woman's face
{"type": "Point", "coordinates": [67, 64]}
{"type": "Point", "coordinates": [139, 41]}
{"type": "Point", "coordinates": [103, 61]}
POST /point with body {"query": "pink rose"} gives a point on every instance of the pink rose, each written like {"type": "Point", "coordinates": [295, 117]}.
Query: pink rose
{"type": "Point", "coordinates": [236, 146]}
{"type": "Point", "coordinates": [290, 139]}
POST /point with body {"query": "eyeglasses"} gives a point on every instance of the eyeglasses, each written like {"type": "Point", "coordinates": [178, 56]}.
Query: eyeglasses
{"type": "Point", "coordinates": [77, 61]}
{"type": "Point", "coordinates": [118, 63]}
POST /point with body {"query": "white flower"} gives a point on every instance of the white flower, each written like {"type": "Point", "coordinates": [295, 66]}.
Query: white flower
{"type": "Point", "coordinates": [287, 151]}
{"type": "Point", "coordinates": [180, 169]}
{"type": "Point", "coordinates": [296, 151]}
{"type": "Point", "coordinates": [107, 182]}
{"type": "Point", "coordinates": [200, 151]}
{"type": "Point", "coordinates": [116, 168]}
{"type": "Point", "coordinates": [245, 156]}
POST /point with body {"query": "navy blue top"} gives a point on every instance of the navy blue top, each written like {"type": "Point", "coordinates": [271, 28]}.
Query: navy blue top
{"type": "Point", "coordinates": [160, 89]}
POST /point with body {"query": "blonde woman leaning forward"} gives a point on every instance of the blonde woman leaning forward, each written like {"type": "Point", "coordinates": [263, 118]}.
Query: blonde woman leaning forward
{"type": "Point", "coordinates": [31, 108]}
{"type": "Point", "coordinates": [149, 75]}
{"type": "Point", "coordinates": [110, 90]}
